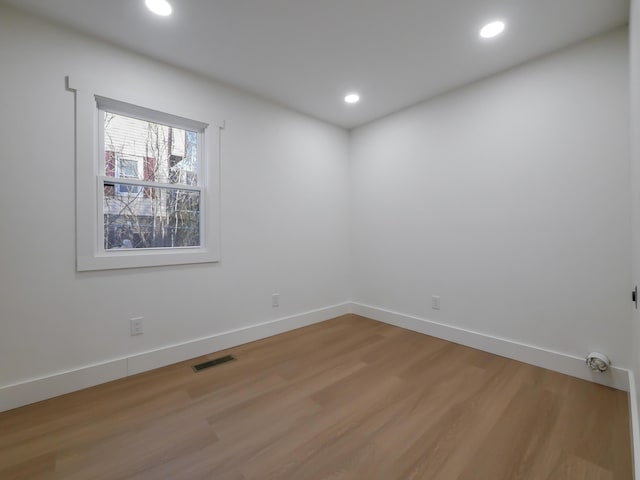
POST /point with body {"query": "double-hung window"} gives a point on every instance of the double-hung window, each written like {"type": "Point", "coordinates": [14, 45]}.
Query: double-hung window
{"type": "Point", "coordinates": [153, 188]}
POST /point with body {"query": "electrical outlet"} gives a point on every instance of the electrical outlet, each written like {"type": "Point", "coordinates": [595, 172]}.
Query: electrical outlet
{"type": "Point", "coordinates": [435, 302]}
{"type": "Point", "coordinates": [136, 325]}
{"type": "Point", "coordinates": [275, 300]}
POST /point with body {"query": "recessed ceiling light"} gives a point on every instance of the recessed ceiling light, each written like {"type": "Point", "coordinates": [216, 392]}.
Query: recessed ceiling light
{"type": "Point", "coordinates": [492, 29]}
{"type": "Point", "coordinates": [159, 7]}
{"type": "Point", "coordinates": [352, 98]}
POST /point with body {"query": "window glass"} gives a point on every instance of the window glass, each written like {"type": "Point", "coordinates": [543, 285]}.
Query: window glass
{"type": "Point", "coordinates": [155, 217]}
{"type": "Point", "coordinates": [147, 208]}
{"type": "Point", "coordinates": [167, 154]}
{"type": "Point", "coordinates": [128, 168]}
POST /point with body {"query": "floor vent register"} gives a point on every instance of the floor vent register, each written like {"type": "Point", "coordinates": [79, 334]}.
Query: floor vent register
{"type": "Point", "coordinates": [212, 363]}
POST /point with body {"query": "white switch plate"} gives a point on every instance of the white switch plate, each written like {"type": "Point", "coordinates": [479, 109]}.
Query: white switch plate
{"type": "Point", "coordinates": [275, 300]}
{"type": "Point", "coordinates": [435, 302]}
{"type": "Point", "coordinates": [137, 327]}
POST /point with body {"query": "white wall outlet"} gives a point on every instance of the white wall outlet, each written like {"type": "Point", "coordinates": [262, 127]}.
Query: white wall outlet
{"type": "Point", "coordinates": [136, 325]}
{"type": "Point", "coordinates": [275, 300]}
{"type": "Point", "coordinates": [435, 302]}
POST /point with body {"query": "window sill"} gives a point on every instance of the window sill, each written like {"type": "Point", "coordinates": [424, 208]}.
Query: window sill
{"type": "Point", "coordinates": [146, 258]}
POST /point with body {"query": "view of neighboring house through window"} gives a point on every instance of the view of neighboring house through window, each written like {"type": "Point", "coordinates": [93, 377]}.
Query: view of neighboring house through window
{"type": "Point", "coordinates": [151, 192]}
{"type": "Point", "coordinates": [128, 168]}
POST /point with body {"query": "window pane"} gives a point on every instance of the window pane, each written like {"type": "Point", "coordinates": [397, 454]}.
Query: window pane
{"type": "Point", "coordinates": [149, 151]}
{"type": "Point", "coordinates": [128, 168]}
{"type": "Point", "coordinates": [150, 217]}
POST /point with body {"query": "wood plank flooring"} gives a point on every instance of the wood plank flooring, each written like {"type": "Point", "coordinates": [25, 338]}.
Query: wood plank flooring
{"type": "Point", "coordinates": [350, 398]}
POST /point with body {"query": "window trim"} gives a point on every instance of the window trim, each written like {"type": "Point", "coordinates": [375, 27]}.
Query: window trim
{"type": "Point", "coordinates": [91, 98]}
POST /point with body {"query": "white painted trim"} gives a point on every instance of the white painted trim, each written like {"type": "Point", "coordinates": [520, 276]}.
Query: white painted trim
{"type": "Point", "coordinates": [35, 390]}
{"type": "Point", "coordinates": [634, 426]}
{"type": "Point", "coordinates": [149, 115]}
{"type": "Point", "coordinates": [90, 254]}
{"type": "Point", "coordinates": [616, 377]}
{"type": "Point", "coordinates": [103, 180]}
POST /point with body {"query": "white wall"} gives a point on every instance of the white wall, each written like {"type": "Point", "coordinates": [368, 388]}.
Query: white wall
{"type": "Point", "coordinates": [284, 215]}
{"type": "Point", "coordinates": [634, 42]}
{"type": "Point", "coordinates": [508, 198]}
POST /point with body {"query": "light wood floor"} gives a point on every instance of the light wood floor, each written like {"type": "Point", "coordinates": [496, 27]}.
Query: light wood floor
{"type": "Point", "coordinates": [350, 398]}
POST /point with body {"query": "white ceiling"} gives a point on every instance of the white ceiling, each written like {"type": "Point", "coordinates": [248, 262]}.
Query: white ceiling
{"type": "Point", "coordinates": [307, 54]}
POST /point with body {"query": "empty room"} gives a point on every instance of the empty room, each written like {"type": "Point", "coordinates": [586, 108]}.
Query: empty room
{"type": "Point", "coordinates": [355, 239]}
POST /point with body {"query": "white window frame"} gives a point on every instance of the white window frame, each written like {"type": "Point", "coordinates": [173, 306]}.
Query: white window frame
{"type": "Point", "coordinates": [91, 100]}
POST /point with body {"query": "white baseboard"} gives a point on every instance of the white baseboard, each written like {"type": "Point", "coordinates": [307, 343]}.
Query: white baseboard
{"type": "Point", "coordinates": [616, 377]}
{"type": "Point", "coordinates": [634, 426]}
{"type": "Point", "coordinates": [35, 390]}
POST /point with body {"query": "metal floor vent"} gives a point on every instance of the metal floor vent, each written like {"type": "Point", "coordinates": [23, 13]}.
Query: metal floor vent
{"type": "Point", "coordinates": [212, 363]}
